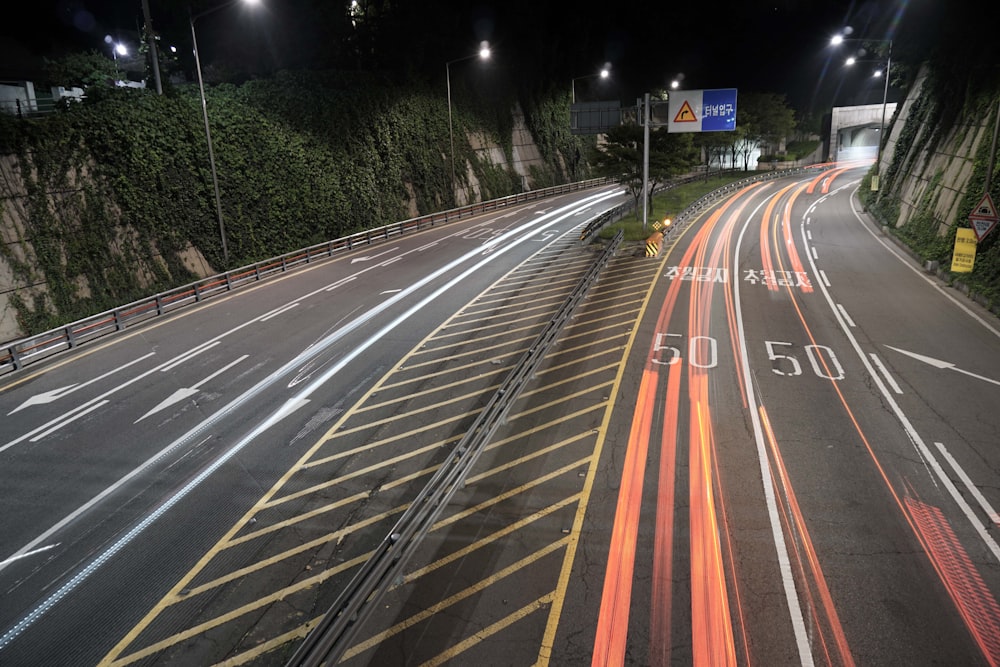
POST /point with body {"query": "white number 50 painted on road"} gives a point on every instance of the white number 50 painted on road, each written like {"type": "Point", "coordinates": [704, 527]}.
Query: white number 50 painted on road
{"type": "Point", "coordinates": [830, 371]}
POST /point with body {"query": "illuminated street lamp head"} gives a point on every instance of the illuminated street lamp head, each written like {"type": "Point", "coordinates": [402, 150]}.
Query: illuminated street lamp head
{"type": "Point", "coordinates": [850, 61]}
{"type": "Point", "coordinates": [121, 49]}
{"type": "Point", "coordinates": [605, 72]}
{"type": "Point", "coordinates": [484, 50]}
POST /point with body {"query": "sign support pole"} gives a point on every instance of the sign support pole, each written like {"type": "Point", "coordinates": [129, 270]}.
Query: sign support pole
{"type": "Point", "coordinates": [645, 161]}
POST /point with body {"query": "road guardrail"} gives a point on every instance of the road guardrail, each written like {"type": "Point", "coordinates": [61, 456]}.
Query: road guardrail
{"type": "Point", "coordinates": [19, 353]}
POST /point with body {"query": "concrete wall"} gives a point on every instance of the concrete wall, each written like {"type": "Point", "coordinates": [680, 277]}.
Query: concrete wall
{"type": "Point", "coordinates": [943, 176]}
{"type": "Point", "coordinates": [852, 128]}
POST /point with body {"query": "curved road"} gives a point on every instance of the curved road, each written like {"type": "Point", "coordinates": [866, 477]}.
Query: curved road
{"type": "Point", "coordinates": [772, 444]}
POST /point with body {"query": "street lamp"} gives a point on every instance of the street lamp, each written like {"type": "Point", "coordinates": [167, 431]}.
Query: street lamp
{"type": "Point", "coordinates": [482, 54]}
{"type": "Point", "coordinates": [117, 49]}
{"type": "Point", "coordinates": [204, 112]}
{"type": "Point", "coordinates": [840, 39]}
{"type": "Point", "coordinates": [604, 74]}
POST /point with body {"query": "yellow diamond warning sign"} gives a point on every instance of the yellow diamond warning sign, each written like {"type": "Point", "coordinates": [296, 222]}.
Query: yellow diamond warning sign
{"type": "Point", "coordinates": [685, 114]}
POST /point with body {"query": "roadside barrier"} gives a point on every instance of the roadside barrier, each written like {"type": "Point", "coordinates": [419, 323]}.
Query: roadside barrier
{"type": "Point", "coordinates": [653, 244]}
{"type": "Point", "coordinates": [335, 631]}
{"type": "Point", "coordinates": [18, 353]}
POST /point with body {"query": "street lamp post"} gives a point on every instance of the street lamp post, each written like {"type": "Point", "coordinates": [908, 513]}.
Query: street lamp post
{"type": "Point", "coordinates": [604, 74]}
{"type": "Point", "coordinates": [211, 154]}
{"type": "Point", "coordinates": [482, 54]}
{"type": "Point", "coordinates": [839, 39]}
{"type": "Point", "coordinates": [208, 132]}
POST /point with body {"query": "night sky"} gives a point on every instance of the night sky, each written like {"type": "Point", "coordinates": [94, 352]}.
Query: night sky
{"type": "Point", "coordinates": [779, 46]}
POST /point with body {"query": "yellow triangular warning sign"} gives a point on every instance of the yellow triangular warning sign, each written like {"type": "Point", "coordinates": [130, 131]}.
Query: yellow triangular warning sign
{"type": "Point", "coordinates": [685, 114]}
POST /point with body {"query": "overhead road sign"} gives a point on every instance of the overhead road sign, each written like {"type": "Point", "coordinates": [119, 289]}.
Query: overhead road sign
{"type": "Point", "coordinates": [594, 117]}
{"type": "Point", "coordinates": [702, 110]}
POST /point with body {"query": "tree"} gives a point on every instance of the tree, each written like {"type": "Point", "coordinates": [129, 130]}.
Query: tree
{"type": "Point", "coordinates": [80, 69]}
{"type": "Point", "coordinates": [764, 119]}
{"type": "Point", "coordinates": [620, 157]}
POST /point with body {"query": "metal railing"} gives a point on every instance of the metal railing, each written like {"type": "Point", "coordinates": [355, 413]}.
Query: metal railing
{"type": "Point", "coordinates": [17, 354]}
{"type": "Point", "coordinates": [337, 628]}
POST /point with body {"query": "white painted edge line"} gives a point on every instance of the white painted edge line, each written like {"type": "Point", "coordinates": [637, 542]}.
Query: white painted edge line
{"type": "Point", "coordinates": [922, 449]}
{"type": "Point", "coordinates": [286, 408]}
{"type": "Point", "coordinates": [777, 535]}
{"type": "Point", "coordinates": [885, 373]}
{"type": "Point", "coordinates": [847, 318]}
{"type": "Point", "coordinates": [985, 504]}
{"type": "Point", "coordinates": [933, 283]}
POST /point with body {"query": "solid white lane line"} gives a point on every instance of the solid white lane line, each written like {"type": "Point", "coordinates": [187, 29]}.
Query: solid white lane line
{"type": "Point", "coordinates": [288, 407]}
{"type": "Point", "coordinates": [847, 317]}
{"type": "Point", "coordinates": [774, 519]}
{"type": "Point", "coordinates": [188, 356]}
{"type": "Point", "coordinates": [885, 373]}
{"type": "Point", "coordinates": [55, 394]}
{"type": "Point", "coordinates": [922, 449]}
{"type": "Point", "coordinates": [927, 279]}
{"type": "Point", "coordinates": [980, 498]}
{"type": "Point", "coordinates": [278, 311]}
{"type": "Point", "coordinates": [70, 420]}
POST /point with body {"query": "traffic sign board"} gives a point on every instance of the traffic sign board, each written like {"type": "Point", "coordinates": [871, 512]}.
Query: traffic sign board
{"type": "Point", "coordinates": [985, 210]}
{"type": "Point", "coordinates": [964, 256]}
{"type": "Point", "coordinates": [702, 110]}
{"type": "Point", "coordinates": [982, 226]}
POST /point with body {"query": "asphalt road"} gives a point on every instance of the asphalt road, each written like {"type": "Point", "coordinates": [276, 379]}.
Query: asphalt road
{"type": "Point", "coordinates": [775, 443]}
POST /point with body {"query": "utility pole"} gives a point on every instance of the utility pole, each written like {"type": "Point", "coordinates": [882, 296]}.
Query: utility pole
{"type": "Point", "coordinates": [152, 46]}
{"type": "Point", "coordinates": [645, 161]}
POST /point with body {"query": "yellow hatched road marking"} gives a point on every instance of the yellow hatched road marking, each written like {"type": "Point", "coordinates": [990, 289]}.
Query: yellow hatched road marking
{"type": "Point", "coordinates": [489, 631]}
{"type": "Point", "coordinates": [555, 612]}
{"type": "Point", "coordinates": [230, 534]}
{"type": "Point", "coordinates": [491, 308]}
{"type": "Point", "coordinates": [457, 597]}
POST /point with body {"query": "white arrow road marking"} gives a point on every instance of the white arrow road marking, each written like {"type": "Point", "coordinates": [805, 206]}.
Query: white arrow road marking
{"type": "Point", "coordinates": [55, 394]}
{"type": "Point", "coordinates": [290, 406]}
{"type": "Point", "coordinates": [368, 257]}
{"type": "Point", "coordinates": [187, 392]}
{"type": "Point", "coordinates": [937, 363]}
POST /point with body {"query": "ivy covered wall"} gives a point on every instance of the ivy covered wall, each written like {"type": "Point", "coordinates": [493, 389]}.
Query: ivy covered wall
{"type": "Point", "coordinates": [934, 171]}
{"type": "Point", "coordinates": [112, 199]}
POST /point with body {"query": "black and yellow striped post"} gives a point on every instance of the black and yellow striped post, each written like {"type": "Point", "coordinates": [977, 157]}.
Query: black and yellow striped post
{"type": "Point", "coordinates": [653, 244]}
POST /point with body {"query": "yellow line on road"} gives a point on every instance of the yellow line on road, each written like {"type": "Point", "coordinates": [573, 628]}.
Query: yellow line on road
{"type": "Point", "coordinates": [478, 350]}
{"type": "Point", "coordinates": [457, 597]}
{"type": "Point", "coordinates": [486, 327]}
{"type": "Point", "coordinates": [433, 390]}
{"type": "Point", "coordinates": [555, 612]}
{"type": "Point", "coordinates": [489, 631]}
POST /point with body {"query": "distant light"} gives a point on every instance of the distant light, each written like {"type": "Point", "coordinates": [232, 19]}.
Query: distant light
{"type": "Point", "coordinates": [877, 73]}
{"type": "Point", "coordinates": [605, 73]}
{"type": "Point", "coordinates": [484, 51]}
{"type": "Point", "coordinates": [121, 49]}
{"type": "Point", "coordinates": [850, 61]}
{"type": "Point", "coordinates": [837, 39]}
{"type": "Point", "coordinates": [675, 84]}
